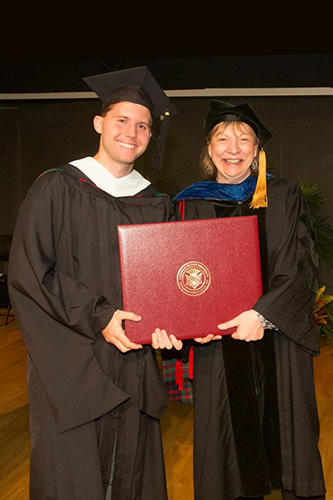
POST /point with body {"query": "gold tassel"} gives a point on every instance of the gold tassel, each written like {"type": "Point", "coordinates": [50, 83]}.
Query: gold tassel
{"type": "Point", "coordinates": [259, 198]}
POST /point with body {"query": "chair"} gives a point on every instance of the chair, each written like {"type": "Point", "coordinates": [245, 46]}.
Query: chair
{"type": "Point", "coordinates": [5, 242]}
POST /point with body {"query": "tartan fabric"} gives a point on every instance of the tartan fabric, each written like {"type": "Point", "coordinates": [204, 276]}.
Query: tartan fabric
{"type": "Point", "coordinates": [178, 374]}
{"type": "Point", "coordinates": [183, 394]}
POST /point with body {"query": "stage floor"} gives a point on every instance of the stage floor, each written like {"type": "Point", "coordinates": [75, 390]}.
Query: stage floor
{"type": "Point", "coordinates": [176, 424]}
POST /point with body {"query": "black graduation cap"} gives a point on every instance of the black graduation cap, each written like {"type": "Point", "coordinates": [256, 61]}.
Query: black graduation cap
{"type": "Point", "coordinates": [136, 85]}
{"type": "Point", "coordinates": [220, 111]}
{"type": "Point", "coordinates": [132, 84]}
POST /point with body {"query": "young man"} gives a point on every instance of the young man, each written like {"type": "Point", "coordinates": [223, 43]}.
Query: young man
{"type": "Point", "coordinates": [95, 397]}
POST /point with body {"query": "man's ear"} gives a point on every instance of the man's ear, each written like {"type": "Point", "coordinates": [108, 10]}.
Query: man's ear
{"type": "Point", "coordinates": [98, 122]}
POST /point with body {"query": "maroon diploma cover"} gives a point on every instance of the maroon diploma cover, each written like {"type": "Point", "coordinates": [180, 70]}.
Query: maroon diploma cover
{"type": "Point", "coordinates": [187, 277]}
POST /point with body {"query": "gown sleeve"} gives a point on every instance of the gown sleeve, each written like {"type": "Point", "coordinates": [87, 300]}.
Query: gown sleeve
{"type": "Point", "coordinates": [293, 269]}
{"type": "Point", "coordinates": [34, 271]}
{"type": "Point", "coordinates": [59, 318]}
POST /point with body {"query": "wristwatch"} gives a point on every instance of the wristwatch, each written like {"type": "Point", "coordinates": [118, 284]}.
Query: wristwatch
{"type": "Point", "coordinates": [267, 325]}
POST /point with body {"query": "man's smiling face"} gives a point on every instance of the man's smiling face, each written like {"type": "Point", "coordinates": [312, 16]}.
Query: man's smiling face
{"type": "Point", "coordinates": [125, 134]}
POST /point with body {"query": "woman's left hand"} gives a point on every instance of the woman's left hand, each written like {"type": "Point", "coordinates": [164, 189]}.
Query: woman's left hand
{"type": "Point", "coordinates": [247, 324]}
{"type": "Point", "coordinates": [161, 340]}
{"type": "Point", "coordinates": [208, 338]}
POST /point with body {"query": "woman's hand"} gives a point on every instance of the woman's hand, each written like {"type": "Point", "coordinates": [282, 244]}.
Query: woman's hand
{"type": "Point", "coordinates": [247, 324]}
{"type": "Point", "coordinates": [208, 338]}
{"type": "Point", "coordinates": [161, 340]}
{"type": "Point", "coordinates": [115, 334]}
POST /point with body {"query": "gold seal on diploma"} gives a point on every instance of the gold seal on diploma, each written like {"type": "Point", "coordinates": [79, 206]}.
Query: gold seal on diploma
{"type": "Point", "coordinates": [193, 278]}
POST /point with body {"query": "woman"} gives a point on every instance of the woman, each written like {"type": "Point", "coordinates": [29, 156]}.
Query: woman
{"type": "Point", "coordinates": [255, 418]}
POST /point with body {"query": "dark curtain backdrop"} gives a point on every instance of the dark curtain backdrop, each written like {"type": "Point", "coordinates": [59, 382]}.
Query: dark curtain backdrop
{"type": "Point", "coordinates": [43, 134]}
{"type": "Point", "coordinates": [38, 135]}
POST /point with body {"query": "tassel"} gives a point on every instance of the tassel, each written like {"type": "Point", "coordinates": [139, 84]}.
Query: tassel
{"type": "Point", "coordinates": [157, 159]}
{"type": "Point", "coordinates": [259, 198]}
{"type": "Point", "coordinates": [179, 375]}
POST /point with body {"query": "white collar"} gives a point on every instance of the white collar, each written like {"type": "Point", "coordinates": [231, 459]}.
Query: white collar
{"type": "Point", "coordinates": [129, 185]}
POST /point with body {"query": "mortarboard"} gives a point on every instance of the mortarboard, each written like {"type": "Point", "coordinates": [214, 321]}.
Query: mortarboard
{"type": "Point", "coordinates": [136, 85]}
{"type": "Point", "coordinates": [220, 111]}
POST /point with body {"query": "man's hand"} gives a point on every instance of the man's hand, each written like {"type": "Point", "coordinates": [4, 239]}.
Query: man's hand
{"type": "Point", "coordinates": [161, 340]}
{"type": "Point", "coordinates": [247, 324]}
{"type": "Point", "coordinates": [115, 334]}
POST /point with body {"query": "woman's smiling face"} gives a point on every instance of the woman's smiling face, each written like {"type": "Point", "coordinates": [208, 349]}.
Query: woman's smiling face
{"type": "Point", "coordinates": [232, 149]}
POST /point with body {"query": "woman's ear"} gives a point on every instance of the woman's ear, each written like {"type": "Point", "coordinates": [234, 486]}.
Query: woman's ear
{"type": "Point", "coordinates": [98, 122]}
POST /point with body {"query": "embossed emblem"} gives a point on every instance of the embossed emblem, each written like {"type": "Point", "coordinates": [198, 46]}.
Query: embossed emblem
{"type": "Point", "coordinates": [193, 278]}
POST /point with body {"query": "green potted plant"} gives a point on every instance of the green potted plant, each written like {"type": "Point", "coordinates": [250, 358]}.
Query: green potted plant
{"type": "Point", "coordinates": [323, 310]}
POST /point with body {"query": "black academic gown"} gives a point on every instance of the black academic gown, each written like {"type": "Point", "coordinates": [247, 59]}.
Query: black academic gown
{"type": "Point", "coordinates": [64, 282]}
{"type": "Point", "coordinates": [255, 417]}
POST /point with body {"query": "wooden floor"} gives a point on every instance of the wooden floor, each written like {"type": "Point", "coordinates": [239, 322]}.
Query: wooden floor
{"type": "Point", "coordinates": [176, 424]}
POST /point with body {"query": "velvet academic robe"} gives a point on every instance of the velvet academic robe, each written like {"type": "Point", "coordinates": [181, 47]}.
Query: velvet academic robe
{"type": "Point", "coordinates": [255, 417]}
{"type": "Point", "coordinates": [84, 394]}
